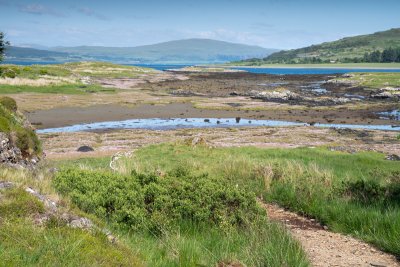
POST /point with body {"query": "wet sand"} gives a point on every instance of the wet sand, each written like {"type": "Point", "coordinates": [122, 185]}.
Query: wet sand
{"type": "Point", "coordinates": [60, 117]}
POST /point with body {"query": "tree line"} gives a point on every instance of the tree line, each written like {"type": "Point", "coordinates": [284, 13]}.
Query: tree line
{"type": "Point", "coordinates": [3, 44]}
{"type": "Point", "coordinates": [386, 56]}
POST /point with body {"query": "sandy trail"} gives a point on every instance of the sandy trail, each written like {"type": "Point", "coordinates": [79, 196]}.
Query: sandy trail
{"type": "Point", "coordinates": [325, 248]}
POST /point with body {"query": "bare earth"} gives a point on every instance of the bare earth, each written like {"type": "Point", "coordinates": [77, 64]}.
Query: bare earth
{"type": "Point", "coordinates": [325, 248]}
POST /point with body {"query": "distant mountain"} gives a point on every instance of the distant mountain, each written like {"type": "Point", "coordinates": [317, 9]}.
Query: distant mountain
{"type": "Point", "coordinates": [181, 51]}
{"type": "Point", "coordinates": [34, 46]}
{"type": "Point", "coordinates": [24, 54]}
{"type": "Point", "coordinates": [349, 49]}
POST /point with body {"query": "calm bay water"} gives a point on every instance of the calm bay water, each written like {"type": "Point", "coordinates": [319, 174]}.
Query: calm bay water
{"type": "Point", "coordinates": [278, 71]}
{"type": "Point", "coordinates": [179, 123]}
{"type": "Point", "coordinates": [281, 71]}
{"type": "Point", "coordinates": [161, 67]}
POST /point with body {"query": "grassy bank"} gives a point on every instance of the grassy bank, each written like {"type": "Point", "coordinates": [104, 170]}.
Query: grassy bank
{"type": "Point", "coordinates": [13, 126]}
{"type": "Point", "coordinates": [374, 80]}
{"type": "Point", "coordinates": [357, 194]}
{"type": "Point", "coordinates": [26, 242]}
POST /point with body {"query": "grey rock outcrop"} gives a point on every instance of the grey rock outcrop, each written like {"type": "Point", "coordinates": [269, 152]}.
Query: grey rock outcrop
{"type": "Point", "coordinates": [387, 93]}
{"type": "Point", "coordinates": [11, 156]}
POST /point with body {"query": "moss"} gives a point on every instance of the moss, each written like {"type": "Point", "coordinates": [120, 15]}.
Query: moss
{"type": "Point", "coordinates": [4, 125]}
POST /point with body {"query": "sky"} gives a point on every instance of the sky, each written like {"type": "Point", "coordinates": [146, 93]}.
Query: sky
{"type": "Point", "coordinates": [281, 24]}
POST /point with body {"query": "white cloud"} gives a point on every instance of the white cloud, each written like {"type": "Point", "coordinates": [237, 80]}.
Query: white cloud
{"type": "Point", "coordinates": [91, 13]}
{"type": "Point", "coordinates": [38, 9]}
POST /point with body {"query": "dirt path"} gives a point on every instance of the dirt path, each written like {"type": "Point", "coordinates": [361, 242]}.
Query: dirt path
{"type": "Point", "coordinates": [325, 248]}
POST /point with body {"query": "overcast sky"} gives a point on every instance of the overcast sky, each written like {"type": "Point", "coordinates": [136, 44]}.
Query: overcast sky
{"type": "Point", "coordinates": [269, 23]}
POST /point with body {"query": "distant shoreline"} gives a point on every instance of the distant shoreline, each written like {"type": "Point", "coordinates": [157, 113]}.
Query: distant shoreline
{"type": "Point", "coordinates": [394, 66]}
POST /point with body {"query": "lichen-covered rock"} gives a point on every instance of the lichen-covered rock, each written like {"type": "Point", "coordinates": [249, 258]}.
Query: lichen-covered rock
{"type": "Point", "coordinates": [277, 95]}
{"type": "Point", "coordinates": [387, 93]}
{"type": "Point", "coordinates": [11, 156]}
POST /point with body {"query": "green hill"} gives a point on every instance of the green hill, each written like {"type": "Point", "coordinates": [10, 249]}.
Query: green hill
{"type": "Point", "coordinates": [180, 51]}
{"type": "Point", "coordinates": [14, 53]}
{"type": "Point", "coordinates": [346, 50]}
{"type": "Point", "coordinates": [192, 51]}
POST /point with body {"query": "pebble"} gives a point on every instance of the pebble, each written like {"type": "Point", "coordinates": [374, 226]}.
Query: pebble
{"type": "Point", "coordinates": [377, 264]}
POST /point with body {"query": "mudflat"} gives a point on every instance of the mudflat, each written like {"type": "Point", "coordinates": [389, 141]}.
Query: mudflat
{"type": "Point", "coordinates": [60, 117]}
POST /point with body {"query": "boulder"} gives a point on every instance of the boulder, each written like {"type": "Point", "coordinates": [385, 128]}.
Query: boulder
{"type": "Point", "coordinates": [6, 185]}
{"type": "Point", "coordinates": [393, 157]}
{"type": "Point", "coordinates": [386, 93]}
{"type": "Point", "coordinates": [85, 149]}
{"type": "Point", "coordinates": [277, 95]}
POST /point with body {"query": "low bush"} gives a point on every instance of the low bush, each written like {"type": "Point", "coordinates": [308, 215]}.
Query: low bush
{"type": "Point", "coordinates": [43, 72]}
{"type": "Point", "coordinates": [386, 193]}
{"type": "Point", "coordinates": [365, 191]}
{"type": "Point", "coordinates": [182, 219]}
{"type": "Point", "coordinates": [149, 202]}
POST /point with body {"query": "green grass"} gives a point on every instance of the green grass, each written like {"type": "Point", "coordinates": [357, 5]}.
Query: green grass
{"type": "Point", "coordinates": [66, 78]}
{"type": "Point", "coordinates": [24, 243]}
{"type": "Point", "coordinates": [55, 89]}
{"type": "Point", "coordinates": [376, 80]}
{"type": "Point", "coordinates": [315, 182]}
{"type": "Point", "coordinates": [91, 69]}
{"type": "Point", "coordinates": [261, 245]}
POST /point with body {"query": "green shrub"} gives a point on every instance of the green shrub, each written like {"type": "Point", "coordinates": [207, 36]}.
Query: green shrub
{"type": "Point", "coordinates": [43, 72]}
{"type": "Point", "coordinates": [9, 103]}
{"type": "Point", "coordinates": [148, 202]}
{"type": "Point", "coordinates": [8, 73]}
{"type": "Point", "coordinates": [393, 187]}
{"type": "Point", "coordinates": [367, 192]}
